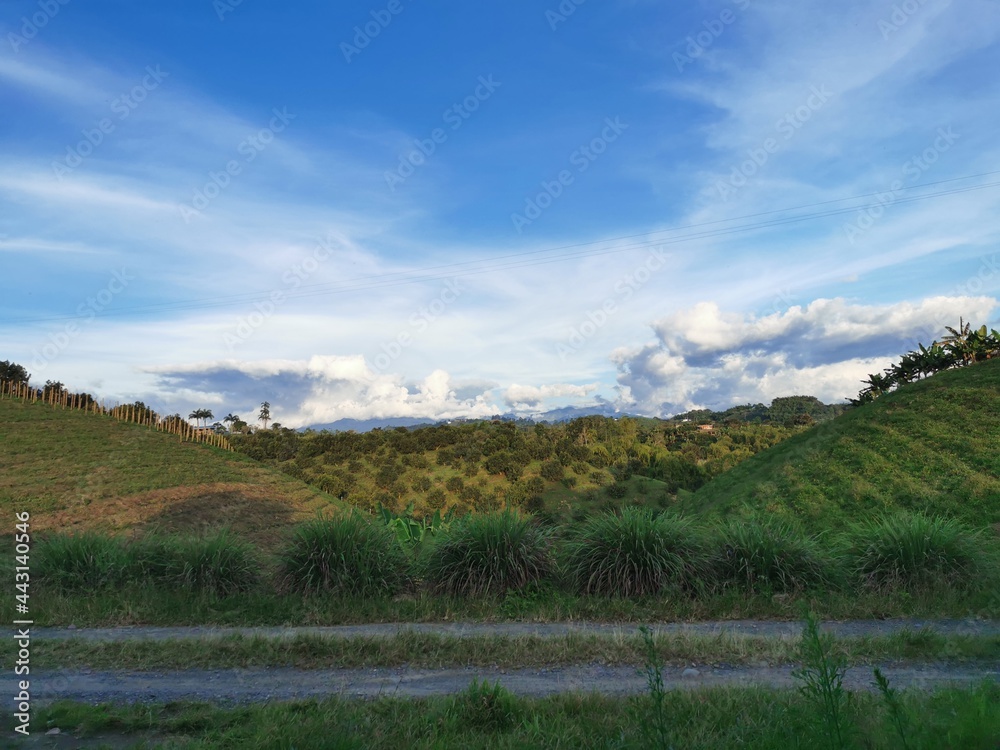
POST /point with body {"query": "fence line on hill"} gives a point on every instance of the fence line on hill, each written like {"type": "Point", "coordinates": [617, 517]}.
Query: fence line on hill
{"type": "Point", "coordinates": [122, 412]}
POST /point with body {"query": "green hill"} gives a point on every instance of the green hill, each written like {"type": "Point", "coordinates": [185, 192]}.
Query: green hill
{"type": "Point", "coordinates": [74, 471]}
{"type": "Point", "coordinates": [932, 445]}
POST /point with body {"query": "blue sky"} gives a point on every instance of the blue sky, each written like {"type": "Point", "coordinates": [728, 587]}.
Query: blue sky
{"type": "Point", "coordinates": [405, 209]}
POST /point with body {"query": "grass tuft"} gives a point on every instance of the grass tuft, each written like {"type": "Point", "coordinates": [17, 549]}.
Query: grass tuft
{"type": "Point", "coordinates": [636, 553]}
{"type": "Point", "coordinates": [490, 554]}
{"type": "Point", "coordinates": [907, 550]}
{"type": "Point", "coordinates": [766, 556]}
{"type": "Point", "coordinates": [487, 708]}
{"type": "Point", "coordinates": [220, 563]}
{"type": "Point", "coordinates": [348, 556]}
{"type": "Point", "coordinates": [78, 562]}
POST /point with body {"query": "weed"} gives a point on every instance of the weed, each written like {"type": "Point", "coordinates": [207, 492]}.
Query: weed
{"type": "Point", "coordinates": [486, 707]}
{"type": "Point", "coordinates": [896, 710]}
{"type": "Point", "coordinates": [822, 677]}
{"type": "Point", "coordinates": [657, 732]}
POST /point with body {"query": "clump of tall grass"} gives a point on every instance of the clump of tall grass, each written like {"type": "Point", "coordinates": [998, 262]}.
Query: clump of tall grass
{"type": "Point", "coordinates": [768, 556]}
{"type": "Point", "coordinates": [348, 555]}
{"type": "Point", "coordinates": [490, 554]}
{"type": "Point", "coordinates": [218, 563]}
{"type": "Point", "coordinates": [910, 549]}
{"type": "Point", "coordinates": [636, 553]}
{"type": "Point", "coordinates": [74, 562]}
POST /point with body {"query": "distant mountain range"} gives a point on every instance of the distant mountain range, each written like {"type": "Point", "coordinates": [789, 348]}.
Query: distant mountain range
{"type": "Point", "coordinates": [780, 410]}
{"type": "Point", "coordinates": [564, 414]}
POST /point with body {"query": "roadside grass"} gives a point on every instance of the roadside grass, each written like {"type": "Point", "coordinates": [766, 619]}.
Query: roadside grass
{"type": "Point", "coordinates": [148, 605]}
{"type": "Point", "coordinates": [764, 719]}
{"type": "Point", "coordinates": [433, 650]}
{"type": "Point", "coordinates": [636, 566]}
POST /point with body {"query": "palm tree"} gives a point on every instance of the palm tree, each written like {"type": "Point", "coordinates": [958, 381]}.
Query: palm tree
{"type": "Point", "coordinates": [231, 419]}
{"type": "Point", "coordinates": [265, 413]}
{"type": "Point", "coordinates": [201, 415]}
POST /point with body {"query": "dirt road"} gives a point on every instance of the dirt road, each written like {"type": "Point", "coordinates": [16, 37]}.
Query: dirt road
{"type": "Point", "coordinates": [262, 684]}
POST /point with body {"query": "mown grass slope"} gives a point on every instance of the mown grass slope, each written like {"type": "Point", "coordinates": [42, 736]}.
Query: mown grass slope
{"type": "Point", "coordinates": [78, 471]}
{"type": "Point", "coordinates": [932, 446]}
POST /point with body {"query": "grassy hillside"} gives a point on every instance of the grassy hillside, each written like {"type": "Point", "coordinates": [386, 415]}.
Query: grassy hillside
{"type": "Point", "coordinates": [933, 445]}
{"type": "Point", "coordinates": [74, 470]}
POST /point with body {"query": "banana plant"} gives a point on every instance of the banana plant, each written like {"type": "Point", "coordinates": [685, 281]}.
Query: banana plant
{"type": "Point", "coordinates": [410, 531]}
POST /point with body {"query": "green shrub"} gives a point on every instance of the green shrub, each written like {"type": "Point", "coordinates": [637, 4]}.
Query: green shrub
{"type": "Point", "coordinates": [910, 549]}
{"type": "Point", "coordinates": [80, 561]}
{"type": "Point", "coordinates": [347, 556]}
{"type": "Point", "coordinates": [766, 556]}
{"type": "Point", "coordinates": [490, 554]}
{"type": "Point", "coordinates": [617, 490]}
{"type": "Point", "coordinates": [552, 471]}
{"type": "Point", "coordinates": [635, 553]}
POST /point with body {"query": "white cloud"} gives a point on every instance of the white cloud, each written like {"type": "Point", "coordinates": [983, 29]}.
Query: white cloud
{"type": "Point", "coordinates": [706, 358]}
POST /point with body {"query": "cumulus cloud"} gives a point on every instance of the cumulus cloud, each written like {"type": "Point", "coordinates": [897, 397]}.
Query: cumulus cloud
{"type": "Point", "coordinates": [707, 358]}
{"type": "Point", "coordinates": [325, 389]}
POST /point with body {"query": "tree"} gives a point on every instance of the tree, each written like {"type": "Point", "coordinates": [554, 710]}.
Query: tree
{"type": "Point", "coordinates": [13, 373]}
{"type": "Point", "coordinates": [201, 415]}
{"type": "Point", "coordinates": [265, 413]}
{"type": "Point", "coordinates": [53, 389]}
